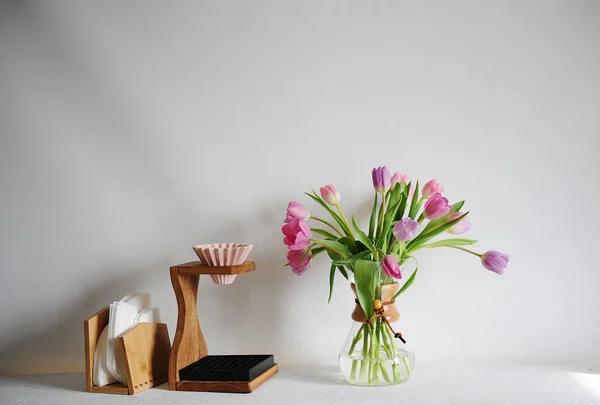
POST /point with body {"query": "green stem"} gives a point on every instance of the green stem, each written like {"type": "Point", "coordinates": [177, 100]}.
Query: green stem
{"type": "Point", "coordinates": [328, 224]}
{"type": "Point", "coordinates": [453, 247]}
{"type": "Point", "coordinates": [372, 358]}
{"type": "Point", "coordinates": [393, 349]}
{"type": "Point", "coordinates": [381, 215]}
{"type": "Point", "coordinates": [346, 221]}
{"type": "Point", "coordinates": [354, 342]}
{"type": "Point", "coordinates": [382, 364]}
{"type": "Point", "coordinates": [331, 248]}
{"type": "Point", "coordinates": [365, 353]}
{"type": "Point", "coordinates": [353, 370]}
{"type": "Point", "coordinates": [392, 245]}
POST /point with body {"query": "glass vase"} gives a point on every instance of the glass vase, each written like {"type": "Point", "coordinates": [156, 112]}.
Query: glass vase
{"type": "Point", "coordinates": [373, 354]}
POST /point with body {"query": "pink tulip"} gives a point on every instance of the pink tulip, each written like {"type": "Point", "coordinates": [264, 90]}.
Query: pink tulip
{"type": "Point", "coordinates": [462, 226]}
{"type": "Point", "coordinates": [297, 234]}
{"type": "Point", "coordinates": [330, 195]}
{"type": "Point", "coordinates": [399, 178]}
{"type": "Point", "coordinates": [494, 261]}
{"type": "Point", "coordinates": [436, 207]}
{"type": "Point", "coordinates": [390, 267]}
{"type": "Point", "coordinates": [296, 211]}
{"type": "Point", "coordinates": [430, 188]}
{"type": "Point", "coordinates": [381, 179]}
{"type": "Point", "coordinates": [299, 260]}
{"type": "Point", "coordinates": [405, 230]}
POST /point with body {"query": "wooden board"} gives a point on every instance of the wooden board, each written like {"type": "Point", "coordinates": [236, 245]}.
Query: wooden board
{"type": "Point", "coordinates": [242, 387]}
{"type": "Point", "coordinates": [199, 268]}
{"type": "Point", "coordinates": [147, 348]}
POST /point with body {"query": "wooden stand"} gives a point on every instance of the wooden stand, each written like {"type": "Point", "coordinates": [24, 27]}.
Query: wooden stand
{"type": "Point", "coordinates": [146, 352]}
{"type": "Point", "coordinates": [189, 345]}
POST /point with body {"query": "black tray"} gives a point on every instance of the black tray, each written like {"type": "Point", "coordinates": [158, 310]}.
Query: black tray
{"type": "Point", "coordinates": [243, 367]}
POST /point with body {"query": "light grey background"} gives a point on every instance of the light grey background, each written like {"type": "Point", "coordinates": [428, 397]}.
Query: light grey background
{"type": "Point", "coordinates": [131, 131]}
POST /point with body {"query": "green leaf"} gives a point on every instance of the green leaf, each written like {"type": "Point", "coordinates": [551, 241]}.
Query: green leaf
{"type": "Point", "coordinates": [437, 222]}
{"type": "Point", "coordinates": [349, 243]}
{"type": "Point", "coordinates": [450, 242]}
{"type": "Point", "coordinates": [364, 273]}
{"type": "Point", "coordinates": [425, 236]}
{"type": "Point", "coordinates": [325, 234]}
{"type": "Point", "coordinates": [353, 259]}
{"type": "Point", "coordinates": [333, 245]}
{"type": "Point", "coordinates": [331, 278]}
{"type": "Point", "coordinates": [373, 216]}
{"type": "Point", "coordinates": [335, 216]}
{"type": "Point", "coordinates": [362, 237]}
{"type": "Point", "coordinates": [414, 205]}
{"type": "Point", "coordinates": [343, 271]}
{"type": "Point", "coordinates": [333, 255]}
{"type": "Point", "coordinates": [396, 193]}
{"type": "Point", "coordinates": [403, 201]}
{"type": "Point", "coordinates": [408, 283]}
{"type": "Point", "coordinates": [392, 208]}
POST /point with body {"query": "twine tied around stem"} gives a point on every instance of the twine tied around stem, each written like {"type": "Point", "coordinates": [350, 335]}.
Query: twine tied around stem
{"type": "Point", "coordinates": [378, 310]}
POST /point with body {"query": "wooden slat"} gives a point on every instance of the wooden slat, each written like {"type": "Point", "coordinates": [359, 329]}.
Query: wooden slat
{"type": "Point", "coordinates": [92, 328]}
{"type": "Point", "coordinates": [199, 268]}
{"type": "Point", "coordinates": [189, 344]}
{"type": "Point", "coordinates": [147, 348]}
{"type": "Point", "coordinates": [242, 387]}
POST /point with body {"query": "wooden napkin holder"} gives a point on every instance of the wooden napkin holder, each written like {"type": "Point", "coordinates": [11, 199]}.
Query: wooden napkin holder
{"type": "Point", "coordinates": [146, 348]}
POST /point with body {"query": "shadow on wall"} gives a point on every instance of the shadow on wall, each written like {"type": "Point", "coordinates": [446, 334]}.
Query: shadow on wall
{"type": "Point", "coordinates": [248, 319]}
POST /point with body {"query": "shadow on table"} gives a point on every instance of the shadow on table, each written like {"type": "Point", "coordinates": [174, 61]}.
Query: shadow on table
{"type": "Point", "coordinates": [313, 375]}
{"type": "Point", "coordinates": [71, 382]}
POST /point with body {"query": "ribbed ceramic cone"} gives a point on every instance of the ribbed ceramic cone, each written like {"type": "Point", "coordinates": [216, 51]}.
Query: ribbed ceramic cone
{"type": "Point", "coordinates": [223, 254]}
{"type": "Point", "coordinates": [223, 278]}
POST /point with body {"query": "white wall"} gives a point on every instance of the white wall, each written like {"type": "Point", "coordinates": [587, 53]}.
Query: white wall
{"type": "Point", "coordinates": [131, 131]}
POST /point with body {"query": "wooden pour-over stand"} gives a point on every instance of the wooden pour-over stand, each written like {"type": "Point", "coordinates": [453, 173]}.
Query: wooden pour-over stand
{"type": "Point", "coordinates": [189, 345]}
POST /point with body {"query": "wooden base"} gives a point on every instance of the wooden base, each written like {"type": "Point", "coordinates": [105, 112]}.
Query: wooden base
{"type": "Point", "coordinates": [240, 387]}
{"type": "Point", "coordinates": [189, 345]}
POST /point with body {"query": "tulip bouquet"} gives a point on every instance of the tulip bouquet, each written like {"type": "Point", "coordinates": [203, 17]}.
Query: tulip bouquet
{"type": "Point", "coordinates": [404, 219]}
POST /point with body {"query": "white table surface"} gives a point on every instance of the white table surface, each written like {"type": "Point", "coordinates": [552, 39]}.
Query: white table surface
{"type": "Point", "coordinates": [429, 384]}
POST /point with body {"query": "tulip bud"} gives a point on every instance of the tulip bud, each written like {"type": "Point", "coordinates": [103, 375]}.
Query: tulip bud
{"type": "Point", "coordinates": [405, 230]}
{"type": "Point", "coordinates": [296, 211]}
{"type": "Point", "coordinates": [494, 261]}
{"type": "Point", "coordinates": [330, 195]}
{"type": "Point", "coordinates": [299, 260]}
{"type": "Point", "coordinates": [297, 234]}
{"type": "Point", "coordinates": [430, 188]}
{"type": "Point", "coordinates": [436, 207]}
{"type": "Point", "coordinates": [462, 226]}
{"type": "Point", "coordinates": [390, 267]}
{"type": "Point", "coordinates": [381, 179]}
{"type": "Point", "coordinates": [399, 178]}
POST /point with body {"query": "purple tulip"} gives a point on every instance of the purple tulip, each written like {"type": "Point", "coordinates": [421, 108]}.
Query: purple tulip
{"type": "Point", "coordinates": [390, 267]}
{"type": "Point", "coordinates": [297, 234]}
{"type": "Point", "coordinates": [494, 261]}
{"type": "Point", "coordinates": [296, 211]}
{"type": "Point", "coordinates": [436, 207]}
{"type": "Point", "coordinates": [406, 229]}
{"type": "Point", "coordinates": [381, 179]}
{"type": "Point", "coordinates": [299, 260]}
{"type": "Point", "coordinates": [330, 195]}
{"type": "Point", "coordinates": [431, 188]}
{"type": "Point", "coordinates": [462, 226]}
